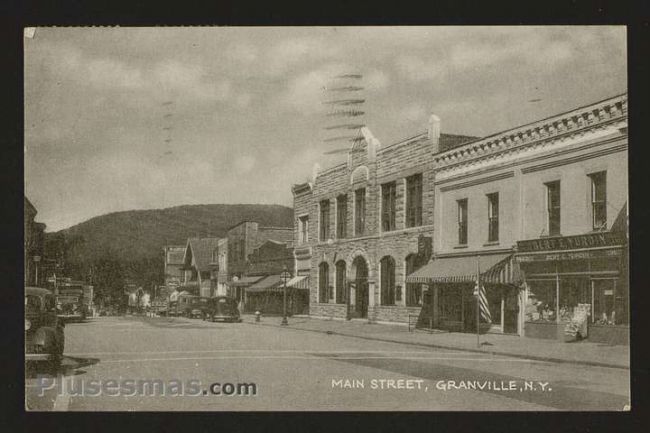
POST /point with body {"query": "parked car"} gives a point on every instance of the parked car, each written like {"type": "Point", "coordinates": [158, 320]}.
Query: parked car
{"type": "Point", "coordinates": [44, 334]}
{"type": "Point", "coordinates": [198, 306]}
{"type": "Point", "coordinates": [222, 308]}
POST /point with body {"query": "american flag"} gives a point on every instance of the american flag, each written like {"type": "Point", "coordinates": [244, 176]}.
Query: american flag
{"type": "Point", "coordinates": [484, 308]}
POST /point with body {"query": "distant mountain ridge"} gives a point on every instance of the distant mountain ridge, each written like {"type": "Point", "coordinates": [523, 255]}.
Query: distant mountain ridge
{"type": "Point", "coordinates": [141, 234]}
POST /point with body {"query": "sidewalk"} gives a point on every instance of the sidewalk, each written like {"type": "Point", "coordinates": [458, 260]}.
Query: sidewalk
{"type": "Point", "coordinates": [582, 352]}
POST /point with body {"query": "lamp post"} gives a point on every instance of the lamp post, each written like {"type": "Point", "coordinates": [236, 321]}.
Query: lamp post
{"type": "Point", "coordinates": [285, 277]}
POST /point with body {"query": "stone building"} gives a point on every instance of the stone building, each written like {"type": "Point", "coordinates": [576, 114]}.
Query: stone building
{"type": "Point", "coordinates": [362, 225]}
{"type": "Point", "coordinates": [541, 210]}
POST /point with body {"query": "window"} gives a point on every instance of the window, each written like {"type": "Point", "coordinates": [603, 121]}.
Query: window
{"type": "Point", "coordinates": [599, 200]}
{"type": "Point", "coordinates": [462, 221]}
{"type": "Point", "coordinates": [553, 207]}
{"type": "Point", "coordinates": [242, 250]}
{"type": "Point", "coordinates": [341, 216]}
{"type": "Point", "coordinates": [388, 206]}
{"type": "Point", "coordinates": [215, 255]}
{"type": "Point", "coordinates": [387, 281]}
{"type": "Point", "coordinates": [493, 217]}
{"type": "Point", "coordinates": [340, 282]}
{"type": "Point", "coordinates": [323, 283]}
{"type": "Point", "coordinates": [303, 227]}
{"type": "Point", "coordinates": [414, 200]}
{"type": "Point", "coordinates": [359, 211]}
{"type": "Point", "coordinates": [413, 290]}
{"type": "Point", "coordinates": [324, 220]}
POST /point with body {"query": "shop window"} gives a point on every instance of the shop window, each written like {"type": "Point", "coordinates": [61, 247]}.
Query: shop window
{"type": "Point", "coordinates": [340, 282]}
{"type": "Point", "coordinates": [414, 200]}
{"type": "Point", "coordinates": [541, 304]}
{"type": "Point", "coordinates": [553, 207]}
{"type": "Point", "coordinates": [387, 281]}
{"type": "Point", "coordinates": [388, 197]}
{"type": "Point", "coordinates": [323, 283]}
{"type": "Point", "coordinates": [493, 217]}
{"type": "Point", "coordinates": [413, 290]}
{"type": "Point", "coordinates": [450, 304]}
{"type": "Point", "coordinates": [324, 220]}
{"type": "Point", "coordinates": [462, 221]}
{"type": "Point", "coordinates": [605, 299]}
{"type": "Point", "coordinates": [599, 200]}
{"type": "Point", "coordinates": [303, 227]}
{"type": "Point", "coordinates": [573, 291]}
{"type": "Point", "coordinates": [341, 216]}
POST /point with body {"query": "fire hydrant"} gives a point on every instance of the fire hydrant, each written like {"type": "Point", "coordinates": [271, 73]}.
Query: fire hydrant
{"type": "Point", "coordinates": [257, 316]}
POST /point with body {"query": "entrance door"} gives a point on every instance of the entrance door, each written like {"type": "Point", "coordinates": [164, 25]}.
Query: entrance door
{"type": "Point", "coordinates": [361, 291]}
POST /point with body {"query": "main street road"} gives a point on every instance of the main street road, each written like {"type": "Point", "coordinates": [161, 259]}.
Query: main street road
{"type": "Point", "coordinates": [298, 370]}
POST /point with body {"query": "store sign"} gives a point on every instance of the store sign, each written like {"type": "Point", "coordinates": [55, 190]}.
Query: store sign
{"type": "Point", "coordinates": [591, 240]}
{"type": "Point", "coordinates": [573, 255]}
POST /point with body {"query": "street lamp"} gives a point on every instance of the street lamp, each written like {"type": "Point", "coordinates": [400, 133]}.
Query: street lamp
{"type": "Point", "coordinates": [285, 277]}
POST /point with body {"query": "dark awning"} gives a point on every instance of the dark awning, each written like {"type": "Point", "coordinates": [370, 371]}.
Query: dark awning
{"type": "Point", "coordinates": [245, 281]}
{"type": "Point", "coordinates": [495, 268]}
{"type": "Point", "coordinates": [265, 284]}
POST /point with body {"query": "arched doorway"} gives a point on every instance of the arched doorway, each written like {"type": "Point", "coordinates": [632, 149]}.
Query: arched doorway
{"type": "Point", "coordinates": [361, 294]}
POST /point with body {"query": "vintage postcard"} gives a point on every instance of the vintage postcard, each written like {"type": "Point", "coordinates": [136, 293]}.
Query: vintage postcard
{"type": "Point", "coordinates": [326, 219]}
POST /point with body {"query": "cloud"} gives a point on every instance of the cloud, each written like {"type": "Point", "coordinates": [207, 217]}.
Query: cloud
{"type": "Point", "coordinates": [413, 113]}
{"type": "Point", "coordinates": [293, 52]}
{"type": "Point", "coordinates": [306, 92]}
{"type": "Point", "coordinates": [243, 53]}
{"type": "Point", "coordinates": [376, 80]}
{"type": "Point", "coordinates": [244, 163]}
{"type": "Point", "coordinates": [416, 69]}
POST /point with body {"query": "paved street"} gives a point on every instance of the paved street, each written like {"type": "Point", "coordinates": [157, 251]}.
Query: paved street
{"type": "Point", "coordinates": [299, 370]}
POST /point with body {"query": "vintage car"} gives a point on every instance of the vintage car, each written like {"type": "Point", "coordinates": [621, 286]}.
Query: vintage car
{"type": "Point", "coordinates": [197, 307]}
{"type": "Point", "coordinates": [183, 306]}
{"type": "Point", "coordinates": [222, 308]}
{"type": "Point", "coordinates": [44, 335]}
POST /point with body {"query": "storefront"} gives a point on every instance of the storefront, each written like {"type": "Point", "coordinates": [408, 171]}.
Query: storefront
{"type": "Point", "coordinates": [562, 273]}
{"type": "Point", "coordinates": [267, 296]}
{"type": "Point", "coordinates": [449, 301]}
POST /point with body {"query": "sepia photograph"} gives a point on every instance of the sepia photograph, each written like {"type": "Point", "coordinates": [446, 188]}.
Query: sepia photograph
{"type": "Point", "coordinates": [367, 218]}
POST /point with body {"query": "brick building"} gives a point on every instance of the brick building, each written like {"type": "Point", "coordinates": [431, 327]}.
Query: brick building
{"type": "Point", "coordinates": [174, 273]}
{"type": "Point", "coordinates": [361, 226]}
{"type": "Point", "coordinates": [34, 239]}
{"type": "Point", "coordinates": [541, 209]}
{"type": "Point", "coordinates": [243, 239]}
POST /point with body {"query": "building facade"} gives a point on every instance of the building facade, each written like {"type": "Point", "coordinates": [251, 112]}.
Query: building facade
{"type": "Point", "coordinates": [361, 226]}
{"type": "Point", "coordinates": [200, 266]}
{"type": "Point", "coordinates": [540, 211]}
{"type": "Point", "coordinates": [174, 273]}
{"type": "Point", "coordinates": [34, 241]}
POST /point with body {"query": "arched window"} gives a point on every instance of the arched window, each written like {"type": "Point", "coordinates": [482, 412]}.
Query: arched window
{"type": "Point", "coordinates": [340, 282]}
{"type": "Point", "coordinates": [387, 281]}
{"type": "Point", "coordinates": [413, 290]}
{"type": "Point", "coordinates": [323, 283]}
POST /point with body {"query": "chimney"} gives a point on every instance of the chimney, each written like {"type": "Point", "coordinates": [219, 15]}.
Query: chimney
{"type": "Point", "coordinates": [372, 142]}
{"type": "Point", "coordinates": [433, 132]}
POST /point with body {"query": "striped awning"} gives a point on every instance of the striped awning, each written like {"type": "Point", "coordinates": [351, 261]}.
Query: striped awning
{"type": "Point", "coordinates": [299, 282]}
{"type": "Point", "coordinates": [245, 281]}
{"type": "Point", "coordinates": [267, 283]}
{"type": "Point", "coordinates": [495, 269]}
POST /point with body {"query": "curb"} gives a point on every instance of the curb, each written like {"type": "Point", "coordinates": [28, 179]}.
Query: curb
{"type": "Point", "coordinates": [460, 348]}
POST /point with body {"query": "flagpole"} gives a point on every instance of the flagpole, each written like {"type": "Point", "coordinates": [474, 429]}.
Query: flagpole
{"type": "Point", "coordinates": [478, 295]}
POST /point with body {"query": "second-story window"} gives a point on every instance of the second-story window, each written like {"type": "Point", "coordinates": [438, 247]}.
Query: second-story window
{"type": "Point", "coordinates": [462, 221]}
{"type": "Point", "coordinates": [493, 217]}
{"type": "Point", "coordinates": [324, 220]}
{"type": "Point", "coordinates": [553, 207]}
{"type": "Point", "coordinates": [242, 250]}
{"type": "Point", "coordinates": [414, 200]}
{"type": "Point", "coordinates": [303, 227]}
{"type": "Point", "coordinates": [359, 211]}
{"type": "Point", "coordinates": [388, 206]}
{"type": "Point", "coordinates": [341, 216]}
{"type": "Point", "coordinates": [599, 200]}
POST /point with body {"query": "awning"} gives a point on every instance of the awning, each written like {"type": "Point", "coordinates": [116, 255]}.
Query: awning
{"type": "Point", "coordinates": [299, 282]}
{"type": "Point", "coordinates": [265, 284]}
{"type": "Point", "coordinates": [495, 268]}
{"type": "Point", "coordinates": [245, 281]}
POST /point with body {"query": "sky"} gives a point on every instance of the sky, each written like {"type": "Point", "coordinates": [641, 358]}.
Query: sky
{"type": "Point", "coordinates": [243, 107]}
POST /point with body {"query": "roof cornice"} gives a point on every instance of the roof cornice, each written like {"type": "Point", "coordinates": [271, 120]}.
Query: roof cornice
{"type": "Point", "coordinates": [579, 120]}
